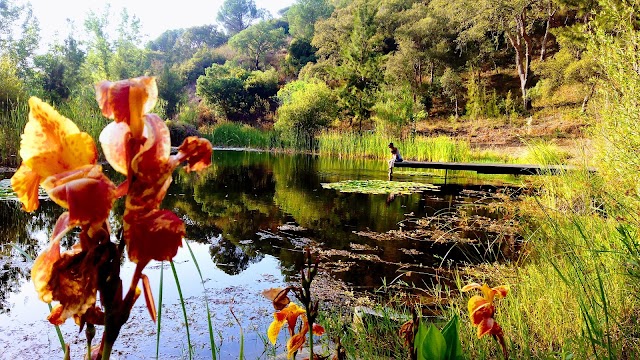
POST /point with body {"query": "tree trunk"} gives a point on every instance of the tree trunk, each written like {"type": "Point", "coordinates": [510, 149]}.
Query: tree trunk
{"type": "Point", "coordinates": [550, 12]}
{"type": "Point", "coordinates": [587, 98]}
{"type": "Point", "coordinates": [456, 99]}
{"type": "Point", "coordinates": [521, 42]}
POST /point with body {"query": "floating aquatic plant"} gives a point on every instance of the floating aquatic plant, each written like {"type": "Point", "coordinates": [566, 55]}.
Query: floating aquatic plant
{"type": "Point", "coordinates": [379, 187]}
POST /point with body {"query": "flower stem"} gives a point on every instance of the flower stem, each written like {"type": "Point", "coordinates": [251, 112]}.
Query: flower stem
{"type": "Point", "coordinates": [106, 350]}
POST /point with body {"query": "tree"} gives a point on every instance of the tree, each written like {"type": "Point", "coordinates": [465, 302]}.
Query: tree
{"type": "Point", "coordinates": [20, 49]}
{"type": "Point", "coordinates": [452, 86]}
{"type": "Point", "coordinates": [360, 69]}
{"type": "Point", "coordinates": [258, 40]}
{"type": "Point", "coordinates": [512, 18]}
{"type": "Point", "coordinates": [306, 108]}
{"type": "Point", "coordinates": [238, 94]}
{"type": "Point", "coordinates": [237, 15]}
{"type": "Point", "coordinates": [303, 15]}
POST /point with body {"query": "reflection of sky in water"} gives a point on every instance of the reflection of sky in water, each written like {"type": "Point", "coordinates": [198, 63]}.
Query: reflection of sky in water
{"type": "Point", "coordinates": [27, 318]}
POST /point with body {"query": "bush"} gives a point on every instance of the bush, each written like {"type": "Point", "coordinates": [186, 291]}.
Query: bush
{"type": "Point", "coordinates": [238, 94]}
{"type": "Point", "coordinates": [11, 87]}
{"type": "Point", "coordinates": [306, 108]}
{"type": "Point", "coordinates": [393, 111]}
{"type": "Point", "coordinates": [180, 131]}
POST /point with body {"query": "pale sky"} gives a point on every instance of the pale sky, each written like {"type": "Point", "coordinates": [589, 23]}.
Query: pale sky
{"type": "Point", "coordinates": [155, 16]}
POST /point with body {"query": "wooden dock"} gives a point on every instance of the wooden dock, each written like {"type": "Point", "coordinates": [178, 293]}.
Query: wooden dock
{"type": "Point", "coordinates": [510, 169]}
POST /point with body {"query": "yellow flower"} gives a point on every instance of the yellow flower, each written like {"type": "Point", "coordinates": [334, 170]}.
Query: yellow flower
{"type": "Point", "coordinates": [290, 315]}
{"type": "Point", "coordinates": [51, 145]}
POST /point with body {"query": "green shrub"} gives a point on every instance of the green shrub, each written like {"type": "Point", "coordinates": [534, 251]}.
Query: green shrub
{"type": "Point", "coordinates": [306, 108]}
{"type": "Point", "coordinates": [11, 87]}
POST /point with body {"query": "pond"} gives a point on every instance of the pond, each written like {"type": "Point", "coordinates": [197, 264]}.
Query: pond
{"type": "Point", "coordinates": [249, 217]}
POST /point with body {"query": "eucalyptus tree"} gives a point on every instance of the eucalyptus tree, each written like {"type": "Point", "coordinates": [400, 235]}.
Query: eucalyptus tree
{"type": "Point", "coordinates": [513, 19]}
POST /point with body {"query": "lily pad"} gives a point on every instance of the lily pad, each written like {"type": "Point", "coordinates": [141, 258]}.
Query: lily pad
{"type": "Point", "coordinates": [379, 187]}
{"type": "Point", "coordinates": [5, 190]}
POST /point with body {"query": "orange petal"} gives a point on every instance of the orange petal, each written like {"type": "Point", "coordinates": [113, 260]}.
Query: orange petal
{"type": "Point", "coordinates": [89, 200]}
{"type": "Point", "coordinates": [42, 268]}
{"type": "Point", "coordinates": [500, 291]}
{"type": "Point", "coordinates": [113, 139]}
{"type": "Point", "coordinates": [293, 311]}
{"type": "Point", "coordinates": [52, 144]}
{"type": "Point", "coordinates": [485, 326]}
{"type": "Point", "coordinates": [278, 296]}
{"type": "Point", "coordinates": [294, 344]}
{"type": "Point", "coordinates": [470, 287]}
{"type": "Point", "coordinates": [275, 326]}
{"type": "Point", "coordinates": [148, 297]}
{"type": "Point", "coordinates": [476, 303]}
{"type": "Point", "coordinates": [153, 235]}
{"type": "Point", "coordinates": [196, 152]}
{"type": "Point", "coordinates": [25, 183]}
{"type": "Point", "coordinates": [155, 151]}
{"type": "Point", "coordinates": [317, 329]}
{"type": "Point", "coordinates": [128, 100]}
{"type": "Point", "coordinates": [45, 130]}
{"type": "Point", "coordinates": [56, 315]}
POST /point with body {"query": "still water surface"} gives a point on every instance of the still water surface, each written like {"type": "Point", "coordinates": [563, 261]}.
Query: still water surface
{"type": "Point", "coordinates": [248, 218]}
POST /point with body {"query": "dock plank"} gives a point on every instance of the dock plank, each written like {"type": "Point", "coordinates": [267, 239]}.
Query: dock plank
{"type": "Point", "coordinates": [488, 168]}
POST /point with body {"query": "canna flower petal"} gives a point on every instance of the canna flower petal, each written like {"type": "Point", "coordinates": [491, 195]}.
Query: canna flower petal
{"type": "Point", "coordinates": [154, 154]}
{"type": "Point", "coordinates": [486, 326]}
{"type": "Point", "coordinates": [275, 326]}
{"type": "Point", "coordinates": [278, 296]}
{"type": "Point", "coordinates": [51, 144]}
{"type": "Point", "coordinates": [153, 235]}
{"type": "Point", "coordinates": [128, 100]}
{"type": "Point", "coordinates": [74, 284]}
{"type": "Point", "coordinates": [470, 287]}
{"type": "Point", "coordinates": [500, 291]}
{"type": "Point", "coordinates": [293, 311]}
{"type": "Point", "coordinates": [25, 183]}
{"type": "Point", "coordinates": [43, 266]}
{"type": "Point", "coordinates": [317, 329]}
{"type": "Point", "coordinates": [89, 200]}
{"type": "Point", "coordinates": [196, 152]}
{"type": "Point", "coordinates": [113, 139]}
{"type": "Point", "coordinates": [295, 343]}
{"type": "Point", "coordinates": [478, 308]}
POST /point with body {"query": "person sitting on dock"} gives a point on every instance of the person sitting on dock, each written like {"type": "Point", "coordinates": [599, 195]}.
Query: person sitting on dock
{"type": "Point", "coordinates": [395, 155]}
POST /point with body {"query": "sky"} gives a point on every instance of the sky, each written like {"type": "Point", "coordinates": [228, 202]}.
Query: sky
{"type": "Point", "coordinates": [155, 16]}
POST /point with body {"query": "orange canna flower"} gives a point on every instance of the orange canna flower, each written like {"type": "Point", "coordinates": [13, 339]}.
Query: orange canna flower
{"type": "Point", "coordinates": [150, 233]}
{"type": "Point", "coordinates": [482, 311]}
{"type": "Point", "coordinates": [290, 315]}
{"type": "Point", "coordinates": [128, 100]}
{"type": "Point", "coordinates": [51, 145]}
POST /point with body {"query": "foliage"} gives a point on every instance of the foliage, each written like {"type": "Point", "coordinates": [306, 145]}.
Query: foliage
{"type": "Point", "coordinates": [258, 40]}
{"type": "Point", "coordinates": [11, 86]}
{"type": "Point", "coordinates": [193, 68]}
{"type": "Point", "coordinates": [237, 15]}
{"type": "Point", "coordinates": [238, 94]}
{"type": "Point", "coordinates": [394, 111]}
{"type": "Point", "coordinates": [306, 108]}
{"type": "Point", "coordinates": [303, 15]}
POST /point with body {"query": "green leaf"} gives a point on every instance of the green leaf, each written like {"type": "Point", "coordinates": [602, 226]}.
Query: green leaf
{"type": "Point", "coordinates": [432, 345]}
{"type": "Point", "coordinates": [451, 335]}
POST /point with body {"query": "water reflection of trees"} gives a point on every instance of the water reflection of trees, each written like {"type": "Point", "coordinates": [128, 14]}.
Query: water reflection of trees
{"type": "Point", "coordinates": [21, 229]}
